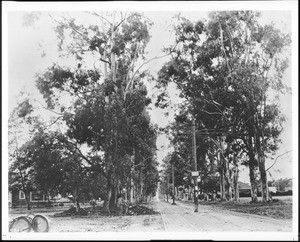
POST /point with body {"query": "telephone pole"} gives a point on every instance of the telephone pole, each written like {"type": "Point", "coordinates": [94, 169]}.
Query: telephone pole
{"type": "Point", "coordinates": [173, 185]}
{"type": "Point", "coordinates": [195, 163]}
{"type": "Point", "coordinates": [167, 188]}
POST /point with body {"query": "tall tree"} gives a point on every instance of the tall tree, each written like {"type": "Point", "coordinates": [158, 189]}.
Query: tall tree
{"type": "Point", "coordinates": [225, 69]}
{"type": "Point", "coordinates": [108, 104]}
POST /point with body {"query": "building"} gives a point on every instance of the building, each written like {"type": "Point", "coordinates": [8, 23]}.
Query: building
{"type": "Point", "coordinates": [244, 189]}
{"type": "Point", "coordinates": [37, 199]}
{"type": "Point", "coordinates": [273, 189]}
{"type": "Point", "coordinates": [286, 189]}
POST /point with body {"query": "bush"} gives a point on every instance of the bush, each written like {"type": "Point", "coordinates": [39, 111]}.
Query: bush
{"type": "Point", "coordinates": [278, 193]}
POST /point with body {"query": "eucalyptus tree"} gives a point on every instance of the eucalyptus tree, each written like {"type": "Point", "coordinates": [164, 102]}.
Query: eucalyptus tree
{"type": "Point", "coordinates": [225, 68]}
{"type": "Point", "coordinates": [106, 104]}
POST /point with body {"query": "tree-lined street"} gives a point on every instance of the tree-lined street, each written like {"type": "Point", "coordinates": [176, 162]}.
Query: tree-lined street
{"type": "Point", "coordinates": [86, 146]}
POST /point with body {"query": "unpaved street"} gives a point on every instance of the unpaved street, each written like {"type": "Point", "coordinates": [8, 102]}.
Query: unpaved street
{"type": "Point", "coordinates": [175, 218]}
{"type": "Point", "coordinates": [171, 218]}
{"type": "Point", "coordinates": [181, 217]}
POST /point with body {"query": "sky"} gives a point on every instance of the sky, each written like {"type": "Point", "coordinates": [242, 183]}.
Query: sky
{"type": "Point", "coordinates": [31, 49]}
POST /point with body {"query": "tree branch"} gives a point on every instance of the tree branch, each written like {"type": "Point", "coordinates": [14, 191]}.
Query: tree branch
{"type": "Point", "coordinates": [223, 48]}
{"type": "Point", "coordinates": [48, 108]}
{"type": "Point", "coordinates": [101, 17]}
{"type": "Point", "coordinates": [211, 113]}
{"type": "Point", "coordinates": [277, 158]}
{"type": "Point", "coordinates": [46, 126]}
{"type": "Point", "coordinates": [230, 37]}
{"type": "Point", "coordinates": [154, 58]}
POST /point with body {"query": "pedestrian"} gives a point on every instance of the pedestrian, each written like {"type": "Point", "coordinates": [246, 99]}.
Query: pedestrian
{"type": "Point", "coordinates": [120, 204]}
{"type": "Point", "coordinates": [196, 202]}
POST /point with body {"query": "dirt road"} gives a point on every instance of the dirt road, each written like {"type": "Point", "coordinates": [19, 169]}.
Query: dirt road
{"type": "Point", "coordinates": [181, 217]}
{"type": "Point", "coordinates": [171, 218]}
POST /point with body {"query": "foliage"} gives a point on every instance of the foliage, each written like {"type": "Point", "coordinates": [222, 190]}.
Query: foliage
{"type": "Point", "coordinates": [225, 69]}
{"type": "Point", "coordinates": [107, 104]}
{"type": "Point", "coordinates": [281, 184]}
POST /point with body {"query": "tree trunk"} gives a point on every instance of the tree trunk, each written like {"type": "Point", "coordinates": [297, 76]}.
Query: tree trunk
{"type": "Point", "coordinates": [113, 198]}
{"type": "Point", "coordinates": [263, 173]}
{"type": "Point", "coordinates": [76, 198]}
{"type": "Point", "coordinates": [222, 178]}
{"type": "Point", "coordinates": [141, 192]}
{"type": "Point", "coordinates": [27, 198]}
{"type": "Point", "coordinates": [107, 201]}
{"type": "Point", "coordinates": [224, 173]}
{"type": "Point", "coordinates": [104, 55]}
{"type": "Point", "coordinates": [77, 205]}
{"type": "Point", "coordinates": [252, 171]}
{"type": "Point", "coordinates": [264, 182]}
{"type": "Point", "coordinates": [132, 192]}
{"type": "Point", "coordinates": [235, 180]}
{"type": "Point", "coordinates": [259, 142]}
{"type": "Point", "coordinates": [106, 204]}
{"type": "Point", "coordinates": [222, 184]}
{"type": "Point", "coordinates": [228, 183]}
{"type": "Point", "coordinates": [113, 56]}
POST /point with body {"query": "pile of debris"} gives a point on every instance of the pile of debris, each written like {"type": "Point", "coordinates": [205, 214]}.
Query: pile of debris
{"type": "Point", "coordinates": [140, 210]}
{"type": "Point", "coordinates": [98, 210]}
{"type": "Point", "coordinates": [71, 212]}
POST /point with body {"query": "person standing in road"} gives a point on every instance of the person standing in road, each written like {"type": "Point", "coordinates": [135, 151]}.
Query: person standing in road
{"type": "Point", "coordinates": [196, 202]}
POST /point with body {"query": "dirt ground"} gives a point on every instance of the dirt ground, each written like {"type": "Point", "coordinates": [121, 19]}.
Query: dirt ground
{"type": "Point", "coordinates": [96, 223]}
{"type": "Point", "coordinates": [170, 218]}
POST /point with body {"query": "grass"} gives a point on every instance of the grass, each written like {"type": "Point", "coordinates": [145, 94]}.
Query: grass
{"type": "Point", "coordinates": [280, 209]}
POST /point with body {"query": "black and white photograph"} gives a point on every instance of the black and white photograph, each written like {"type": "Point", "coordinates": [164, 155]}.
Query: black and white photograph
{"type": "Point", "coordinates": [138, 120]}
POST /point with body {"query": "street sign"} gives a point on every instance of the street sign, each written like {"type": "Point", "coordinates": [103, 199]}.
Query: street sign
{"type": "Point", "coordinates": [195, 173]}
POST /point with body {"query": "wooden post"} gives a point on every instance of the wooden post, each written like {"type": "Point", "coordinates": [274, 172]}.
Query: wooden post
{"type": "Point", "coordinates": [195, 163]}
{"type": "Point", "coordinates": [173, 203]}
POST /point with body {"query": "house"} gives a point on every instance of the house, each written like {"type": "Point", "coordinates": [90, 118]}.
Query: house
{"type": "Point", "coordinates": [286, 189]}
{"type": "Point", "coordinates": [244, 189]}
{"type": "Point", "coordinates": [17, 199]}
{"type": "Point", "coordinates": [273, 189]}
{"type": "Point", "coordinates": [37, 199]}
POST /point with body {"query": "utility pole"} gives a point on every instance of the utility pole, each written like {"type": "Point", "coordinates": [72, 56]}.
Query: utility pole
{"type": "Point", "coordinates": [173, 185]}
{"type": "Point", "coordinates": [167, 188]}
{"type": "Point", "coordinates": [195, 163]}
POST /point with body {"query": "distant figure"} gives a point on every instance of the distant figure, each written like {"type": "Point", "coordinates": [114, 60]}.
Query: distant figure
{"type": "Point", "coordinates": [93, 203]}
{"type": "Point", "coordinates": [196, 202]}
{"type": "Point", "coordinates": [122, 205]}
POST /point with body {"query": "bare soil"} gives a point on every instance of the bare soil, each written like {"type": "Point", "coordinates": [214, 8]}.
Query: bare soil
{"type": "Point", "coordinates": [160, 216]}
{"type": "Point", "coordinates": [280, 207]}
